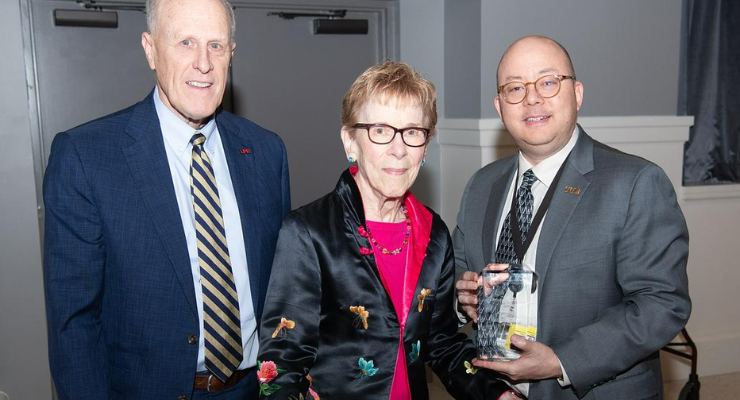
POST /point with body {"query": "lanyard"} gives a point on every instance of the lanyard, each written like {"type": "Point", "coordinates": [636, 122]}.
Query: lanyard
{"type": "Point", "coordinates": [519, 247]}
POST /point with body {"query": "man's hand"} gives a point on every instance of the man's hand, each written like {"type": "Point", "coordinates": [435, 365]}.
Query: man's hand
{"type": "Point", "coordinates": [536, 363]}
{"type": "Point", "coordinates": [467, 294]}
{"type": "Point", "coordinates": [467, 289]}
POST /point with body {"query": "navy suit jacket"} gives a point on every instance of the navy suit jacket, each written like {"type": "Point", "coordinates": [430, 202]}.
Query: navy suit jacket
{"type": "Point", "coordinates": [121, 304]}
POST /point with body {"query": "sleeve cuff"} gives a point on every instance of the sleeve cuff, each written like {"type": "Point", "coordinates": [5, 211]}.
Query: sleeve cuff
{"type": "Point", "coordinates": [461, 316]}
{"type": "Point", "coordinates": [564, 381]}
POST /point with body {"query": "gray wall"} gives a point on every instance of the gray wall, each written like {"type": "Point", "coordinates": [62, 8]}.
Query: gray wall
{"type": "Point", "coordinates": [422, 29]}
{"type": "Point", "coordinates": [22, 322]}
{"type": "Point", "coordinates": [625, 52]}
{"type": "Point", "coordinates": [462, 58]}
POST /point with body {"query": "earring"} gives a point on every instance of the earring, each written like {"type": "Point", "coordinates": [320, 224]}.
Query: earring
{"type": "Point", "coordinates": [350, 159]}
{"type": "Point", "coordinates": [422, 161]}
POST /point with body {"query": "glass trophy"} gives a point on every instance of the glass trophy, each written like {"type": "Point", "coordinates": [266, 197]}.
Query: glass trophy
{"type": "Point", "coordinates": [507, 305]}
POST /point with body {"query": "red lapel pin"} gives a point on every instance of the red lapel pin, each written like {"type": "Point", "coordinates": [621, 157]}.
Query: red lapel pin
{"type": "Point", "coordinates": [245, 151]}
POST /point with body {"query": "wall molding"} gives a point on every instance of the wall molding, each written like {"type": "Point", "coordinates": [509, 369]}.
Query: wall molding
{"type": "Point", "coordinates": [492, 132]}
{"type": "Point", "coordinates": [710, 192]}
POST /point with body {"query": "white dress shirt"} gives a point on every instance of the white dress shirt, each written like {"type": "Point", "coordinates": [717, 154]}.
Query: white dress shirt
{"type": "Point", "coordinates": [545, 172]}
{"type": "Point", "coordinates": [177, 134]}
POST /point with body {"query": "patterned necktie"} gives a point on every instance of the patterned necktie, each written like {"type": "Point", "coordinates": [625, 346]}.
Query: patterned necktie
{"type": "Point", "coordinates": [221, 323]}
{"type": "Point", "coordinates": [505, 251]}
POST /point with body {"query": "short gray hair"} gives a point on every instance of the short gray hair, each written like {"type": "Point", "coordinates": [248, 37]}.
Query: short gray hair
{"type": "Point", "coordinates": [152, 11]}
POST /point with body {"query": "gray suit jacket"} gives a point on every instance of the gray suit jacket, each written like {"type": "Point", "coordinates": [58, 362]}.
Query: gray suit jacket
{"type": "Point", "coordinates": [612, 265]}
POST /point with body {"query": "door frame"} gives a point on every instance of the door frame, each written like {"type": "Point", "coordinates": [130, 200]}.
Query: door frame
{"type": "Point", "coordinates": [388, 12]}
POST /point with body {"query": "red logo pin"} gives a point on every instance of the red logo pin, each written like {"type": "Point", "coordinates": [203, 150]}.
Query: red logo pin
{"type": "Point", "coordinates": [245, 151]}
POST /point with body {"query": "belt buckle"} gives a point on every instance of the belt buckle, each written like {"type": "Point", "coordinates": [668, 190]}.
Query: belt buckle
{"type": "Point", "coordinates": [208, 383]}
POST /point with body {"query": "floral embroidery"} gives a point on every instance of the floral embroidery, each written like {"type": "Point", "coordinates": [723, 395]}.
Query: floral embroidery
{"type": "Point", "coordinates": [424, 293]}
{"type": "Point", "coordinates": [367, 369]}
{"type": "Point", "coordinates": [470, 369]}
{"type": "Point", "coordinates": [415, 349]}
{"type": "Point", "coordinates": [365, 251]}
{"type": "Point", "coordinates": [283, 327]}
{"type": "Point", "coordinates": [362, 315]}
{"type": "Point", "coordinates": [267, 371]}
{"type": "Point", "coordinates": [311, 391]}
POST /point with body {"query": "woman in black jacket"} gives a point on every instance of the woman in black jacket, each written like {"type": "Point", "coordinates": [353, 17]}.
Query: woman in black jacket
{"type": "Point", "coordinates": [362, 286]}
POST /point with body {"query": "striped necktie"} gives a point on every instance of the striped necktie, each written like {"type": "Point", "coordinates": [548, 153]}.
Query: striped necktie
{"type": "Point", "coordinates": [505, 252]}
{"type": "Point", "coordinates": [221, 323]}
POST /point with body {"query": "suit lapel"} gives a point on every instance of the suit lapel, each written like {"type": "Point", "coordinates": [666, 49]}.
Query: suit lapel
{"type": "Point", "coordinates": [241, 160]}
{"type": "Point", "coordinates": [492, 217]}
{"type": "Point", "coordinates": [147, 161]}
{"type": "Point", "coordinates": [579, 163]}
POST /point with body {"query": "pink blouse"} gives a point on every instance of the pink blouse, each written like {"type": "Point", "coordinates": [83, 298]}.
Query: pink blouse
{"type": "Point", "coordinates": [393, 270]}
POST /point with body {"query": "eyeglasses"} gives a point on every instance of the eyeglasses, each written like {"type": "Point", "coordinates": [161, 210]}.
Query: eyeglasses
{"type": "Point", "coordinates": [546, 86]}
{"type": "Point", "coordinates": [384, 134]}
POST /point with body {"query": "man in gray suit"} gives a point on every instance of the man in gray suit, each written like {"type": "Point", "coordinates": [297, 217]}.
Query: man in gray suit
{"type": "Point", "coordinates": [610, 252]}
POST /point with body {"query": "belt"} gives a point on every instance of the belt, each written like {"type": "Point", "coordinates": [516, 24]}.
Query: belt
{"type": "Point", "coordinates": [211, 383]}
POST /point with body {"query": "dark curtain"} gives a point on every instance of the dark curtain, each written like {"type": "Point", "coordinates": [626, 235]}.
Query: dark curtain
{"type": "Point", "coordinates": [709, 89]}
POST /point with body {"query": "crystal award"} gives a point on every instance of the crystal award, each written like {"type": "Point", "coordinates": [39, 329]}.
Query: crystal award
{"type": "Point", "coordinates": [507, 305]}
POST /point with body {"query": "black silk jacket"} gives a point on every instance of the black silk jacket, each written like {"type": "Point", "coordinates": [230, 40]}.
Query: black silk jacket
{"type": "Point", "coordinates": [312, 324]}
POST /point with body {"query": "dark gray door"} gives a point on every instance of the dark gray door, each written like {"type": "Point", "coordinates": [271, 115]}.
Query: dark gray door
{"type": "Point", "coordinates": [292, 81]}
{"type": "Point", "coordinates": [85, 73]}
{"type": "Point", "coordinates": [283, 76]}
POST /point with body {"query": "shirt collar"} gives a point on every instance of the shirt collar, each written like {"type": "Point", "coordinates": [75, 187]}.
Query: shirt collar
{"type": "Point", "coordinates": [177, 133]}
{"type": "Point", "coordinates": [546, 170]}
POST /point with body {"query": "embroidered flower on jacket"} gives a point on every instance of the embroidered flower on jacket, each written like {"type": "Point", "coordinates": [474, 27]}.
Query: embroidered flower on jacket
{"type": "Point", "coordinates": [266, 372]}
{"type": "Point", "coordinates": [415, 350]}
{"type": "Point", "coordinates": [470, 369]}
{"type": "Point", "coordinates": [314, 395]}
{"type": "Point", "coordinates": [367, 369]}
{"type": "Point", "coordinates": [283, 327]}
{"type": "Point", "coordinates": [362, 315]}
{"type": "Point", "coordinates": [311, 391]}
{"type": "Point", "coordinates": [422, 296]}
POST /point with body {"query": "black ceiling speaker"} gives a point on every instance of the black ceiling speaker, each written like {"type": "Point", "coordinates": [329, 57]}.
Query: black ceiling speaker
{"type": "Point", "coordinates": [86, 18]}
{"type": "Point", "coordinates": [340, 26]}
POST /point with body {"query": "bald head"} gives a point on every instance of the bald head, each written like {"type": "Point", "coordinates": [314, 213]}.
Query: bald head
{"type": "Point", "coordinates": [540, 125]}
{"type": "Point", "coordinates": [532, 39]}
{"type": "Point", "coordinates": [153, 8]}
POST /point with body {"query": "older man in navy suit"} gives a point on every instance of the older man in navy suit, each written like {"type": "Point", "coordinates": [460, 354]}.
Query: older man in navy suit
{"type": "Point", "coordinates": [161, 225]}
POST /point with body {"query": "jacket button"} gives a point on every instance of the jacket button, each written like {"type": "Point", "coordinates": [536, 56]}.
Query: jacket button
{"type": "Point", "coordinates": [182, 397]}
{"type": "Point", "coordinates": [192, 339]}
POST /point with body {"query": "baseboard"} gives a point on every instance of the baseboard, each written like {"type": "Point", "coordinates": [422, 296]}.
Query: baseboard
{"type": "Point", "coordinates": [717, 353]}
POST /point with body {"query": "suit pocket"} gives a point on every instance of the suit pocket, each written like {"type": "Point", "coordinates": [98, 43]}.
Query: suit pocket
{"type": "Point", "coordinates": [583, 257]}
